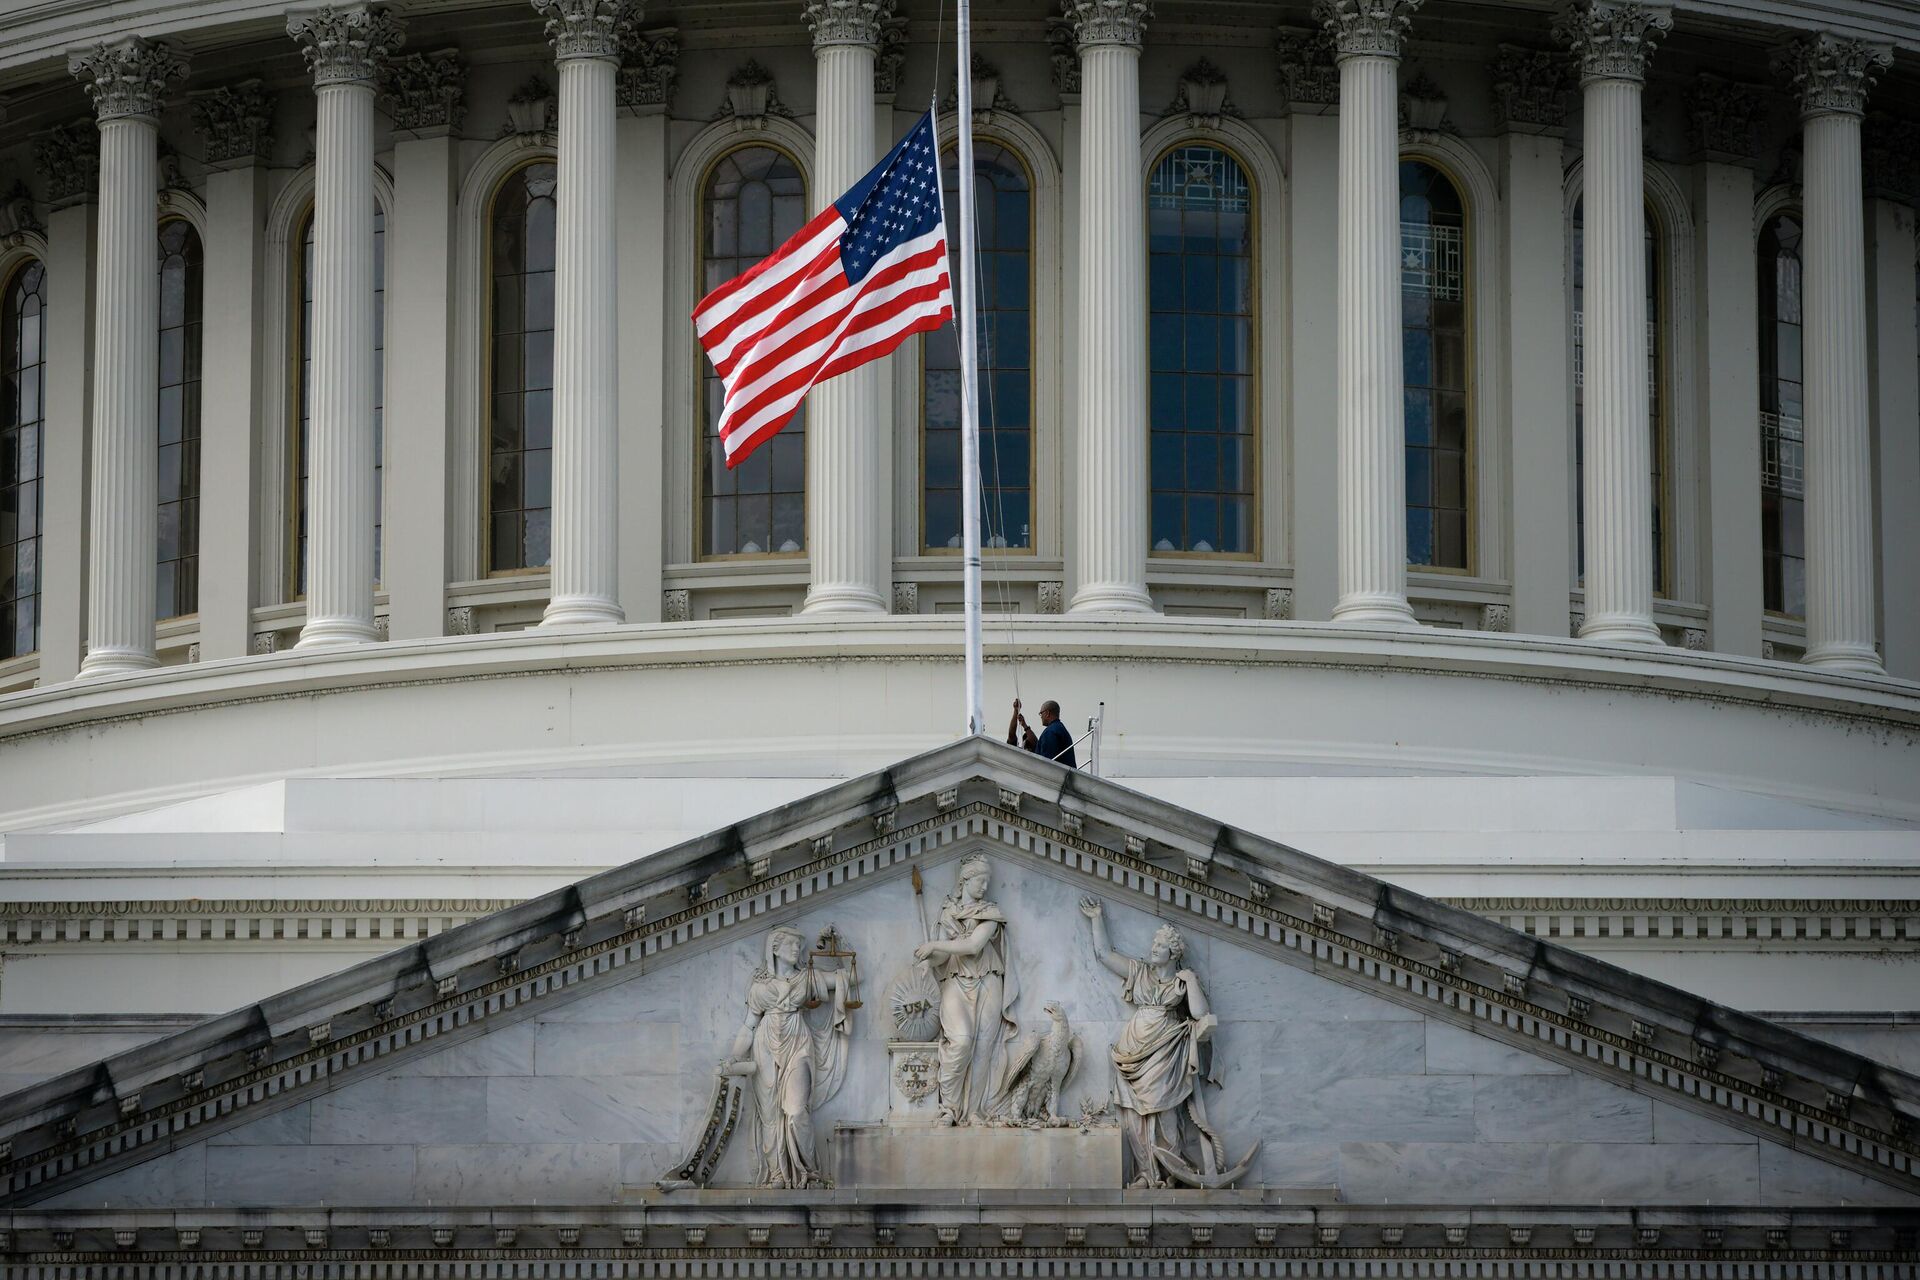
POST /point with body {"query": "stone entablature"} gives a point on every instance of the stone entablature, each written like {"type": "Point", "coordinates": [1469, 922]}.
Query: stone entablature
{"type": "Point", "coordinates": [1748, 1074]}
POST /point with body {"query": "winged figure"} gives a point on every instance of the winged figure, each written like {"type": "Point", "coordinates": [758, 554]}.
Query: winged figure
{"type": "Point", "coordinates": [1037, 1071]}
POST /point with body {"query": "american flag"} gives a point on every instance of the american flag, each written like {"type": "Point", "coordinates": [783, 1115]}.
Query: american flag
{"type": "Point", "coordinates": [849, 287]}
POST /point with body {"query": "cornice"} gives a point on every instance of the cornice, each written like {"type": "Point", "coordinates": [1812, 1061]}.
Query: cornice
{"type": "Point", "coordinates": [1263, 896]}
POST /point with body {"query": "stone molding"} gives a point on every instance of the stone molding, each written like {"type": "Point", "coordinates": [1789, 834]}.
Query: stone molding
{"type": "Point", "coordinates": [1115, 23]}
{"type": "Point", "coordinates": [1726, 117]}
{"type": "Point", "coordinates": [18, 218]}
{"type": "Point", "coordinates": [67, 156]}
{"type": "Point", "coordinates": [717, 1234]}
{"type": "Point", "coordinates": [235, 122]}
{"type": "Point", "coordinates": [426, 92]}
{"type": "Point", "coordinates": [347, 44]}
{"type": "Point", "coordinates": [532, 113]}
{"type": "Point", "coordinates": [1397, 946]}
{"type": "Point", "coordinates": [1831, 75]}
{"type": "Point", "coordinates": [1706, 923]}
{"type": "Point", "coordinates": [1203, 96]}
{"type": "Point", "coordinates": [1063, 61]}
{"type": "Point", "coordinates": [751, 96]}
{"type": "Point", "coordinates": [1306, 70]}
{"type": "Point", "coordinates": [1366, 28]}
{"type": "Point", "coordinates": [1530, 87]}
{"type": "Point", "coordinates": [1890, 157]}
{"type": "Point", "coordinates": [127, 78]}
{"type": "Point", "coordinates": [1612, 39]}
{"type": "Point", "coordinates": [588, 28]}
{"type": "Point", "coordinates": [989, 93]}
{"type": "Point", "coordinates": [856, 22]}
{"type": "Point", "coordinates": [652, 66]}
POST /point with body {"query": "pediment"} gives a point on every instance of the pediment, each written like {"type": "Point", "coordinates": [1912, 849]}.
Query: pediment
{"type": "Point", "coordinates": [1380, 1047]}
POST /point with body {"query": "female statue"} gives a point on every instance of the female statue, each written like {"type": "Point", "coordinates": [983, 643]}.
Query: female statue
{"type": "Point", "coordinates": [968, 954]}
{"type": "Point", "coordinates": [1161, 1056]}
{"type": "Point", "coordinates": [789, 1066]}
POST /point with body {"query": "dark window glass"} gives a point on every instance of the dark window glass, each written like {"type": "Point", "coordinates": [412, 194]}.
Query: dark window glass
{"type": "Point", "coordinates": [1656, 422]}
{"type": "Point", "coordinates": [1201, 416]}
{"type": "Point", "coordinates": [301, 471]}
{"type": "Point", "coordinates": [520, 372]}
{"type": "Point", "coordinates": [23, 367]}
{"type": "Point", "coordinates": [178, 584]}
{"type": "Point", "coordinates": [1782, 441]}
{"type": "Point", "coordinates": [753, 200]}
{"type": "Point", "coordinates": [1433, 316]}
{"type": "Point", "coordinates": [1003, 231]}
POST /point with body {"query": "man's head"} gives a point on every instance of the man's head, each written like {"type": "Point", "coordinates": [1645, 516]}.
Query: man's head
{"type": "Point", "coordinates": [1049, 711]}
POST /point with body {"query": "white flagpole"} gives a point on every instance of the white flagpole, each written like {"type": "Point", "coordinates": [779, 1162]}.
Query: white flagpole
{"type": "Point", "coordinates": [970, 496]}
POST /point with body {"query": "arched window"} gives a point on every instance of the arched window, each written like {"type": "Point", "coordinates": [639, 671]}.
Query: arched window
{"type": "Point", "coordinates": [23, 367]}
{"type": "Point", "coordinates": [1656, 402]}
{"type": "Point", "coordinates": [178, 585]}
{"type": "Point", "coordinates": [1003, 199]}
{"type": "Point", "coordinates": [1434, 328]}
{"type": "Point", "coordinates": [520, 370]}
{"type": "Point", "coordinates": [752, 200]}
{"type": "Point", "coordinates": [1782, 443]}
{"type": "Point", "coordinates": [1202, 417]}
{"type": "Point", "coordinates": [298, 543]}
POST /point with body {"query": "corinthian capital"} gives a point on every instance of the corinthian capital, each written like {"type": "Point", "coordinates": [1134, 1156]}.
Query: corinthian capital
{"type": "Point", "coordinates": [1613, 39]}
{"type": "Point", "coordinates": [1098, 22]}
{"type": "Point", "coordinates": [347, 44]}
{"type": "Point", "coordinates": [588, 28]}
{"type": "Point", "coordinates": [126, 78]}
{"type": "Point", "coordinates": [1366, 28]}
{"type": "Point", "coordinates": [234, 121]}
{"type": "Point", "coordinates": [1832, 75]}
{"type": "Point", "coordinates": [849, 21]}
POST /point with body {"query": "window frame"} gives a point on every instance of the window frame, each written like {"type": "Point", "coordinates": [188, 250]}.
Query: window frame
{"type": "Point", "coordinates": [697, 420]}
{"type": "Point", "coordinates": [1767, 213]}
{"type": "Point", "coordinates": [1256, 339]}
{"type": "Point", "coordinates": [199, 233]}
{"type": "Point", "coordinates": [1470, 357]}
{"type": "Point", "coordinates": [485, 388]}
{"type": "Point", "coordinates": [923, 548]}
{"type": "Point", "coordinates": [10, 273]}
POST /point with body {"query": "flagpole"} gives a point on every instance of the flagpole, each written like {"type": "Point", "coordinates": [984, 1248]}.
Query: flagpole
{"type": "Point", "coordinates": [970, 496]}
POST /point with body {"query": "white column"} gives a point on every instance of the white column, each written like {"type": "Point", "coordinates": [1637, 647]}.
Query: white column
{"type": "Point", "coordinates": [586, 36]}
{"type": "Point", "coordinates": [235, 125]}
{"type": "Point", "coordinates": [1372, 415]}
{"type": "Point", "coordinates": [1613, 39]}
{"type": "Point", "coordinates": [71, 246]}
{"type": "Point", "coordinates": [1832, 76]}
{"type": "Point", "coordinates": [848, 514]}
{"type": "Point", "coordinates": [125, 80]}
{"type": "Point", "coordinates": [1110, 546]}
{"type": "Point", "coordinates": [344, 48]}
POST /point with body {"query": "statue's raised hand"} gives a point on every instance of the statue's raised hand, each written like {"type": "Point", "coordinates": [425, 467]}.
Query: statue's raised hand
{"type": "Point", "coordinates": [1092, 908]}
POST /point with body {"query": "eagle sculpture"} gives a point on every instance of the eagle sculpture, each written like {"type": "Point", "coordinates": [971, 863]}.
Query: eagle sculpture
{"type": "Point", "coordinates": [1029, 1094]}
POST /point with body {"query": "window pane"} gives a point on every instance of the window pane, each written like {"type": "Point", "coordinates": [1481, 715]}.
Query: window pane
{"type": "Point", "coordinates": [1782, 437]}
{"type": "Point", "coordinates": [521, 373]}
{"type": "Point", "coordinates": [179, 262]}
{"type": "Point", "coordinates": [1433, 319]}
{"type": "Point", "coordinates": [752, 201]}
{"type": "Point", "coordinates": [1000, 192]}
{"type": "Point", "coordinates": [23, 303]}
{"type": "Point", "coordinates": [1203, 335]}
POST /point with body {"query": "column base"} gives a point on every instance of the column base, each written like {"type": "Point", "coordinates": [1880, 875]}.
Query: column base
{"type": "Point", "coordinates": [1375, 609]}
{"type": "Point", "coordinates": [333, 633]}
{"type": "Point", "coordinates": [843, 597]}
{"type": "Point", "coordinates": [1621, 628]}
{"type": "Point", "coordinates": [1111, 597]}
{"type": "Point", "coordinates": [115, 662]}
{"type": "Point", "coordinates": [1838, 655]}
{"type": "Point", "coordinates": [582, 611]}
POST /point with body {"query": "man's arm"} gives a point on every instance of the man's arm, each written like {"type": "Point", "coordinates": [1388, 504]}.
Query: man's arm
{"type": "Point", "coordinates": [1014, 725]}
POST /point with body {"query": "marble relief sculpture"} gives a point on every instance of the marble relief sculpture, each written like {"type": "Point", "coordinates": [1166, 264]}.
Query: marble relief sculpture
{"type": "Point", "coordinates": [784, 1064]}
{"type": "Point", "coordinates": [1037, 1070]}
{"type": "Point", "coordinates": [1160, 1059]}
{"type": "Point", "coordinates": [970, 956]}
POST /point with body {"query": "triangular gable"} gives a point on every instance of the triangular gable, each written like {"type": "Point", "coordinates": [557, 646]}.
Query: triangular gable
{"type": "Point", "coordinates": [1487, 981]}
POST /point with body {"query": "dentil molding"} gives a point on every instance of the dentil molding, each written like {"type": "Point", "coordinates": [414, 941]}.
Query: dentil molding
{"type": "Point", "coordinates": [346, 45]}
{"type": "Point", "coordinates": [1831, 75]}
{"type": "Point", "coordinates": [126, 78]}
{"type": "Point", "coordinates": [1366, 28]}
{"type": "Point", "coordinates": [1612, 39]}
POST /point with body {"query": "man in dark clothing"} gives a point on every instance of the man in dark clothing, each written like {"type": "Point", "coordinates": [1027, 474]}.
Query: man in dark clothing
{"type": "Point", "coordinates": [1054, 741]}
